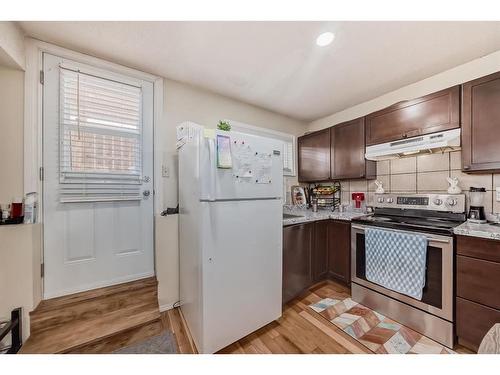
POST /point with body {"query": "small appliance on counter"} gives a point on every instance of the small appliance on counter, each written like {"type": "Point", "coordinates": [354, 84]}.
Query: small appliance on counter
{"type": "Point", "coordinates": [358, 199]}
{"type": "Point", "coordinates": [476, 207]}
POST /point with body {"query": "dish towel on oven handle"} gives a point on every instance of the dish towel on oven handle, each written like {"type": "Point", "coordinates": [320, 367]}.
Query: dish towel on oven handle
{"type": "Point", "coordinates": [396, 260]}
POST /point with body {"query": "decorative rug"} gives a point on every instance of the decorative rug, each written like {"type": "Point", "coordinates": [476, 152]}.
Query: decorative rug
{"type": "Point", "coordinates": [374, 330]}
{"type": "Point", "coordinates": [162, 344]}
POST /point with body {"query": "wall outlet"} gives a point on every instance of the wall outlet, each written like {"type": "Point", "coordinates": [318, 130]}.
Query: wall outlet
{"type": "Point", "coordinates": [498, 194]}
{"type": "Point", "coordinates": [165, 172]}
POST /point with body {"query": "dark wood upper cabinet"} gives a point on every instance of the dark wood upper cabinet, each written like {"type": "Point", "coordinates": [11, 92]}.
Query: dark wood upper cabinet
{"type": "Point", "coordinates": [314, 156]}
{"type": "Point", "coordinates": [481, 124]}
{"type": "Point", "coordinates": [348, 152]}
{"type": "Point", "coordinates": [297, 250]}
{"type": "Point", "coordinates": [428, 114]}
{"type": "Point", "coordinates": [339, 250]}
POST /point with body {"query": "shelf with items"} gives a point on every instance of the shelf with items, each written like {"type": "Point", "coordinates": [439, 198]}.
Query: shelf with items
{"type": "Point", "coordinates": [326, 196]}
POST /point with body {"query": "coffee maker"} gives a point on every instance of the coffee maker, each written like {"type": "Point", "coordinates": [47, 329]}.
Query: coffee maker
{"type": "Point", "coordinates": [476, 208]}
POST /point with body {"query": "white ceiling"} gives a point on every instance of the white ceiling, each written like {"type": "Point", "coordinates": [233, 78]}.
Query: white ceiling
{"type": "Point", "coordinates": [277, 65]}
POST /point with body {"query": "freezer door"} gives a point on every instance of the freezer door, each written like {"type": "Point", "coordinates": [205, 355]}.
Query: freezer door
{"type": "Point", "coordinates": [242, 262]}
{"type": "Point", "coordinates": [240, 166]}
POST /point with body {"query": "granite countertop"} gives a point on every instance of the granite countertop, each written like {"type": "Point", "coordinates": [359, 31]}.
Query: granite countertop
{"type": "Point", "coordinates": [478, 230]}
{"type": "Point", "coordinates": [307, 215]}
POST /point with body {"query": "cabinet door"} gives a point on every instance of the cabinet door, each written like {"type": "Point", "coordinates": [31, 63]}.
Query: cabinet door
{"type": "Point", "coordinates": [314, 156]}
{"type": "Point", "coordinates": [320, 251]}
{"type": "Point", "coordinates": [481, 124]}
{"type": "Point", "coordinates": [339, 250]}
{"type": "Point", "coordinates": [348, 151]}
{"type": "Point", "coordinates": [473, 322]}
{"type": "Point", "coordinates": [297, 245]}
{"type": "Point", "coordinates": [429, 114]}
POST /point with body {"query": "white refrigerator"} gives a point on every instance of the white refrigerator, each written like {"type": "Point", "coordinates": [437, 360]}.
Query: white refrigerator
{"type": "Point", "coordinates": [230, 224]}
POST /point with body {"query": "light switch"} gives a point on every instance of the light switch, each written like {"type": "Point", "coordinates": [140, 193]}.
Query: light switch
{"type": "Point", "coordinates": [498, 194]}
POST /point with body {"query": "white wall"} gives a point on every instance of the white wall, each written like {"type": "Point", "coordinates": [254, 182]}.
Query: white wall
{"type": "Point", "coordinates": [186, 103]}
{"type": "Point", "coordinates": [11, 134]}
{"type": "Point", "coordinates": [455, 76]}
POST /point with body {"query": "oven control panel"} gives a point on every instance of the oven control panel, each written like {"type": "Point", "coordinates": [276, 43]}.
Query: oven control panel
{"type": "Point", "coordinates": [435, 202]}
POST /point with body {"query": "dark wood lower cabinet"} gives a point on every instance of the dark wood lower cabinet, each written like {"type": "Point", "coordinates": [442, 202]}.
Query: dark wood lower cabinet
{"type": "Point", "coordinates": [313, 252]}
{"type": "Point", "coordinates": [473, 322]}
{"type": "Point", "coordinates": [478, 291]}
{"type": "Point", "coordinates": [339, 251]}
{"type": "Point", "coordinates": [297, 250]}
{"type": "Point", "coordinates": [320, 251]}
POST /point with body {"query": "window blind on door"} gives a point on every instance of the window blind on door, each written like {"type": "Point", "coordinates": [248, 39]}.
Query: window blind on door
{"type": "Point", "coordinates": [100, 138]}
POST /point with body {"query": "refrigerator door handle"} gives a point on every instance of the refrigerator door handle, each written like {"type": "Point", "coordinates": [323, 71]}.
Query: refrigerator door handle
{"type": "Point", "coordinates": [213, 165]}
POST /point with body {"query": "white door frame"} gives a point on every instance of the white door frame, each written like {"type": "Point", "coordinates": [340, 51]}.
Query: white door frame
{"type": "Point", "coordinates": [33, 121]}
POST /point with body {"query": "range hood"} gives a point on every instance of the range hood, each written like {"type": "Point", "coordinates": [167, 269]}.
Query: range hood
{"type": "Point", "coordinates": [445, 141]}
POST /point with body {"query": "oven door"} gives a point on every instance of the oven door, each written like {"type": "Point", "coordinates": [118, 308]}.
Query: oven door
{"type": "Point", "coordinates": [437, 298]}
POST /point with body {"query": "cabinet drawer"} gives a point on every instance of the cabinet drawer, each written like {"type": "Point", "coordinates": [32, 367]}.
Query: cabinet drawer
{"type": "Point", "coordinates": [474, 321]}
{"type": "Point", "coordinates": [478, 281]}
{"type": "Point", "coordinates": [481, 248]}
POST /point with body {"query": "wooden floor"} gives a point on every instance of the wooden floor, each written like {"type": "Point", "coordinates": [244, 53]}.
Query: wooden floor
{"type": "Point", "coordinates": [299, 330]}
{"type": "Point", "coordinates": [96, 321]}
{"type": "Point", "coordinates": [81, 324]}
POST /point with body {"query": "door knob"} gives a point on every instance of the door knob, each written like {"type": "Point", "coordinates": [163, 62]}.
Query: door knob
{"type": "Point", "coordinates": [146, 193]}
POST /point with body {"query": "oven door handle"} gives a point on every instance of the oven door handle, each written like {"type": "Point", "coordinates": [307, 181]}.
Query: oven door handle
{"type": "Point", "coordinates": [430, 239]}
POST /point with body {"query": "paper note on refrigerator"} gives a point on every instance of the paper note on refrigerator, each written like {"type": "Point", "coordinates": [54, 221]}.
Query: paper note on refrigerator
{"type": "Point", "coordinates": [263, 170]}
{"type": "Point", "coordinates": [224, 152]}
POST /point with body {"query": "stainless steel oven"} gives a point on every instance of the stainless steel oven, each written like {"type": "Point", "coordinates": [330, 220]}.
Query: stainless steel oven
{"type": "Point", "coordinates": [433, 315]}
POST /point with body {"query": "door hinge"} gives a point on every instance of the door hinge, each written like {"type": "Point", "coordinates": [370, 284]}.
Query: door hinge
{"type": "Point", "coordinates": [41, 173]}
{"type": "Point", "coordinates": [41, 77]}
{"type": "Point", "coordinates": [42, 270]}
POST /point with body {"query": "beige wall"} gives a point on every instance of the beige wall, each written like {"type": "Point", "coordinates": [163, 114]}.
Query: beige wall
{"type": "Point", "coordinates": [181, 103]}
{"type": "Point", "coordinates": [167, 260]}
{"type": "Point", "coordinates": [460, 74]}
{"type": "Point", "coordinates": [12, 53]}
{"type": "Point", "coordinates": [424, 174]}
{"type": "Point", "coordinates": [20, 281]}
{"type": "Point", "coordinates": [11, 133]}
{"type": "Point", "coordinates": [186, 103]}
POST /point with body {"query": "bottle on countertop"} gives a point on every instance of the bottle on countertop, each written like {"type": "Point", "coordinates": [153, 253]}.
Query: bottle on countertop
{"type": "Point", "coordinates": [30, 208]}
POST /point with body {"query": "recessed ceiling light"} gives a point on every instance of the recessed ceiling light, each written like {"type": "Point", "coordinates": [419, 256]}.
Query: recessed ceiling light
{"type": "Point", "coordinates": [325, 39]}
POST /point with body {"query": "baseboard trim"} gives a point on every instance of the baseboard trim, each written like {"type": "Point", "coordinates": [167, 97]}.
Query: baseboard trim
{"type": "Point", "coordinates": [166, 307]}
{"type": "Point", "coordinates": [99, 285]}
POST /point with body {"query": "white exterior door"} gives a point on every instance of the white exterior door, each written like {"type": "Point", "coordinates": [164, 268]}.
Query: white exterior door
{"type": "Point", "coordinates": [98, 178]}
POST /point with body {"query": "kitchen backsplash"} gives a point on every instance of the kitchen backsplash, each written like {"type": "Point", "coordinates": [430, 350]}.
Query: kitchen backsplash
{"type": "Point", "coordinates": [424, 174]}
